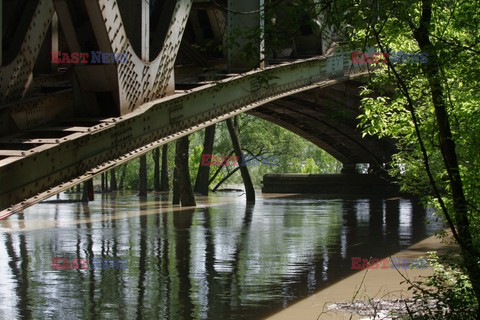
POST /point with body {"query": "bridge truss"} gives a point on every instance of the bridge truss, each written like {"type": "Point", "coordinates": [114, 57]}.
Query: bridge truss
{"type": "Point", "coordinates": [63, 128]}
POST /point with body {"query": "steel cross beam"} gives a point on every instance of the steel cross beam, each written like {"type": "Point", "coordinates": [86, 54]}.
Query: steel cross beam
{"type": "Point", "coordinates": [140, 79]}
{"type": "Point", "coordinates": [38, 173]}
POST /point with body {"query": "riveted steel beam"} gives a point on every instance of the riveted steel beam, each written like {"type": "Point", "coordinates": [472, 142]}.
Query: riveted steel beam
{"type": "Point", "coordinates": [38, 111]}
{"type": "Point", "coordinates": [138, 81]}
{"type": "Point", "coordinates": [80, 154]}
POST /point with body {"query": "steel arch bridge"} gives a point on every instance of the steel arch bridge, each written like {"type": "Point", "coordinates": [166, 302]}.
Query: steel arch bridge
{"type": "Point", "coordinates": [144, 82]}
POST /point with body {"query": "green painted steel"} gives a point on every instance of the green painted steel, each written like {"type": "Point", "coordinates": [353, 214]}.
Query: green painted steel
{"type": "Point", "coordinates": [50, 168]}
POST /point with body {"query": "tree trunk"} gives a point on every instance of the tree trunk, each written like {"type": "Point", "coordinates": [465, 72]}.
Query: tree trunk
{"type": "Point", "coordinates": [247, 181]}
{"type": "Point", "coordinates": [225, 179]}
{"type": "Point", "coordinates": [201, 183]}
{"type": "Point", "coordinates": [121, 184]}
{"type": "Point", "coordinates": [87, 194]}
{"type": "Point", "coordinates": [187, 197]}
{"type": "Point", "coordinates": [448, 149]}
{"type": "Point", "coordinates": [142, 188]}
{"type": "Point", "coordinates": [232, 172]}
{"type": "Point", "coordinates": [156, 169]}
{"type": "Point", "coordinates": [106, 181]}
{"type": "Point", "coordinates": [164, 173]}
{"type": "Point", "coordinates": [113, 180]}
{"type": "Point", "coordinates": [220, 168]}
{"type": "Point", "coordinates": [102, 176]}
{"type": "Point", "coordinates": [176, 191]}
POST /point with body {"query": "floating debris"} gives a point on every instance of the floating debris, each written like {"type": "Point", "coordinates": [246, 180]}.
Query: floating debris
{"type": "Point", "coordinates": [384, 309]}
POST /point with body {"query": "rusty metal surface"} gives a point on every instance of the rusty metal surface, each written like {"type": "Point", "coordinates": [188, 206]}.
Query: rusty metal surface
{"type": "Point", "coordinates": [82, 152]}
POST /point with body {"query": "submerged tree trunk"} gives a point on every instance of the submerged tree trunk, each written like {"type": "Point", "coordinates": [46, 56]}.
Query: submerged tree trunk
{"type": "Point", "coordinates": [156, 169]}
{"type": "Point", "coordinates": [187, 197]}
{"type": "Point", "coordinates": [87, 194]}
{"type": "Point", "coordinates": [202, 181]}
{"type": "Point", "coordinates": [176, 191]}
{"type": "Point", "coordinates": [233, 171]}
{"type": "Point", "coordinates": [106, 181]}
{"type": "Point", "coordinates": [247, 180]}
{"type": "Point", "coordinates": [222, 165]}
{"type": "Point", "coordinates": [142, 176]}
{"type": "Point", "coordinates": [164, 173]}
{"type": "Point", "coordinates": [113, 180]}
{"type": "Point", "coordinates": [225, 179]}
{"type": "Point", "coordinates": [121, 184]}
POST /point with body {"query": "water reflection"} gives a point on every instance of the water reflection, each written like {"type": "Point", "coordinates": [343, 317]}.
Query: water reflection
{"type": "Point", "coordinates": [222, 260]}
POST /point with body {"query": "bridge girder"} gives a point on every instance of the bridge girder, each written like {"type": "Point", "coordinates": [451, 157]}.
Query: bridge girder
{"type": "Point", "coordinates": [71, 154]}
{"type": "Point", "coordinates": [60, 129]}
{"type": "Point", "coordinates": [328, 118]}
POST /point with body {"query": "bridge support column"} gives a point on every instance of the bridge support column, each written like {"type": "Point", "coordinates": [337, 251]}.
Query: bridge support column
{"type": "Point", "coordinates": [245, 44]}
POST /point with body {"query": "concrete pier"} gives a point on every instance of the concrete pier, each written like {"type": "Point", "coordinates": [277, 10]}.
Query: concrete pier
{"type": "Point", "coordinates": [330, 184]}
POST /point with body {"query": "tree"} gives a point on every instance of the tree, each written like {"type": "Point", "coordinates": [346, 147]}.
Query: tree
{"type": "Point", "coordinates": [247, 180]}
{"type": "Point", "coordinates": [87, 194]}
{"type": "Point", "coordinates": [113, 180]}
{"type": "Point", "coordinates": [202, 181]}
{"type": "Point", "coordinates": [266, 139]}
{"type": "Point", "coordinates": [187, 197]}
{"type": "Point", "coordinates": [156, 171]}
{"type": "Point", "coordinates": [176, 188]}
{"type": "Point", "coordinates": [121, 183]}
{"type": "Point", "coordinates": [142, 173]}
{"type": "Point", "coordinates": [164, 172]}
{"type": "Point", "coordinates": [432, 109]}
{"type": "Point", "coordinates": [103, 177]}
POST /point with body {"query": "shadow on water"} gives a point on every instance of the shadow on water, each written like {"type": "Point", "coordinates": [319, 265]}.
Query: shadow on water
{"type": "Point", "coordinates": [223, 259]}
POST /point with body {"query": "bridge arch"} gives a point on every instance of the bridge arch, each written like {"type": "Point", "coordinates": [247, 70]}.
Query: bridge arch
{"type": "Point", "coordinates": [327, 117]}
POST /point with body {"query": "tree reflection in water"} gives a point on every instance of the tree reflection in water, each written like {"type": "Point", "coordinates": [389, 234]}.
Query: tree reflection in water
{"type": "Point", "coordinates": [220, 260]}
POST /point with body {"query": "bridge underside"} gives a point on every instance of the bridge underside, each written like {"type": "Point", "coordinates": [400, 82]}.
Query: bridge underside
{"type": "Point", "coordinates": [327, 117]}
{"type": "Point", "coordinates": [62, 123]}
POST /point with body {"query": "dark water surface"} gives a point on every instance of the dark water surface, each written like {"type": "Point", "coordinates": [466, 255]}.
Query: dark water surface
{"type": "Point", "coordinates": [221, 260]}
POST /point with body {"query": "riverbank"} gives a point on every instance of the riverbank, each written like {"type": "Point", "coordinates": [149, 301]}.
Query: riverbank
{"type": "Point", "coordinates": [383, 285]}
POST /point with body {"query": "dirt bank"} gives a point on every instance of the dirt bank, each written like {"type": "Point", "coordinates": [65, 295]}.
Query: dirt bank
{"type": "Point", "coordinates": [380, 283]}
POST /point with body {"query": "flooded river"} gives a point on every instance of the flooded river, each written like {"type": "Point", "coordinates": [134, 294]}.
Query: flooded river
{"type": "Point", "coordinates": [120, 257]}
